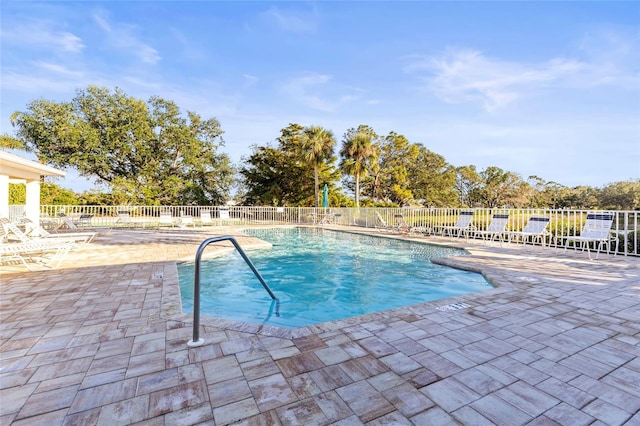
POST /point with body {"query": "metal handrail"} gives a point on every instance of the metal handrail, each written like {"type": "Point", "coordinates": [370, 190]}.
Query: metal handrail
{"type": "Point", "coordinates": [197, 341]}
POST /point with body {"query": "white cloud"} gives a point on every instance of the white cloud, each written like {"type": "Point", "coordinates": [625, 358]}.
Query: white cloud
{"type": "Point", "coordinates": [294, 21]}
{"type": "Point", "coordinates": [250, 80]}
{"type": "Point", "coordinates": [102, 22]}
{"type": "Point", "coordinates": [24, 83]}
{"type": "Point", "coordinates": [43, 35]}
{"type": "Point", "coordinates": [468, 75]}
{"type": "Point", "coordinates": [614, 59]}
{"type": "Point", "coordinates": [123, 38]}
{"type": "Point", "coordinates": [58, 69]}
{"type": "Point", "coordinates": [312, 90]}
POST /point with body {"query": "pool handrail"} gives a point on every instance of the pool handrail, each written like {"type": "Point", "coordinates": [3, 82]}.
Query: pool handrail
{"type": "Point", "coordinates": [196, 340]}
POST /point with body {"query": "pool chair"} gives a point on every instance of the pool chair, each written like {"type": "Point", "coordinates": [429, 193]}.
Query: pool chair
{"type": "Point", "coordinates": [84, 220]}
{"type": "Point", "coordinates": [11, 228]}
{"type": "Point", "coordinates": [34, 231]}
{"type": "Point", "coordinates": [535, 231]}
{"type": "Point", "coordinates": [596, 230]}
{"type": "Point", "coordinates": [205, 218]}
{"type": "Point", "coordinates": [186, 220]}
{"type": "Point", "coordinates": [124, 219]}
{"type": "Point", "coordinates": [462, 226]}
{"type": "Point", "coordinates": [381, 223]}
{"type": "Point", "coordinates": [44, 252]}
{"type": "Point", "coordinates": [328, 218]}
{"type": "Point", "coordinates": [404, 227]}
{"type": "Point", "coordinates": [496, 229]}
{"type": "Point", "coordinates": [401, 224]}
{"type": "Point", "coordinates": [166, 219]}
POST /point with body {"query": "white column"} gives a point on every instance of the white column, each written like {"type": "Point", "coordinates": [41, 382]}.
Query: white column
{"type": "Point", "coordinates": [32, 207]}
{"type": "Point", "coordinates": [4, 196]}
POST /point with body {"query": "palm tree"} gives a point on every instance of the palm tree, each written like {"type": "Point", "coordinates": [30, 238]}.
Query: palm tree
{"type": "Point", "coordinates": [358, 154]}
{"type": "Point", "coordinates": [317, 147]}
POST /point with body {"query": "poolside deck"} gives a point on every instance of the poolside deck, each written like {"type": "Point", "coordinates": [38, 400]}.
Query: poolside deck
{"type": "Point", "coordinates": [102, 340]}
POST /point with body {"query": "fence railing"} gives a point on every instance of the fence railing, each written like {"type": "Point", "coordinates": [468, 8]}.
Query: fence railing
{"type": "Point", "coordinates": [563, 223]}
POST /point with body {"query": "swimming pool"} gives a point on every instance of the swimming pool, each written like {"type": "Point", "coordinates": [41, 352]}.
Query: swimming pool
{"type": "Point", "coordinates": [321, 275]}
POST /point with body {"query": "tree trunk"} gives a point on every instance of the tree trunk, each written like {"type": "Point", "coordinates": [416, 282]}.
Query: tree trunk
{"type": "Point", "coordinates": [315, 173]}
{"type": "Point", "coordinates": [357, 189]}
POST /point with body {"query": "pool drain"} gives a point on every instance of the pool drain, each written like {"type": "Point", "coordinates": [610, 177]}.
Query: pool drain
{"type": "Point", "coordinates": [452, 307]}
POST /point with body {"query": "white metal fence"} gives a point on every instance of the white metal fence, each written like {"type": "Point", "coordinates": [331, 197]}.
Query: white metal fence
{"type": "Point", "coordinates": [625, 231]}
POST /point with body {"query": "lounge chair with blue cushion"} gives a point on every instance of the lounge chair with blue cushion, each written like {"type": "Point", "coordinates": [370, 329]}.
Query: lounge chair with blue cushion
{"type": "Point", "coordinates": [597, 230]}
{"type": "Point", "coordinates": [535, 231]}
{"type": "Point", "coordinates": [496, 229]}
{"type": "Point", "coordinates": [462, 226]}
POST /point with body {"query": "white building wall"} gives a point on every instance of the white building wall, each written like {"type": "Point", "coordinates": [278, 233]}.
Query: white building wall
{"type": "Point", "coordinates": [32, 205]}
{"type": "Point", "coordinates": [4, 196]}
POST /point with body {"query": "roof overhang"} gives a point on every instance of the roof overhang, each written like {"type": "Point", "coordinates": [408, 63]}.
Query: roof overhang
{"type": "Point", "coordinates": [17, 167]}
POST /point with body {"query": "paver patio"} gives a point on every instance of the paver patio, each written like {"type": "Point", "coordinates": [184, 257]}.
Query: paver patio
{"type": "Point", "coordinates": [102, 340]}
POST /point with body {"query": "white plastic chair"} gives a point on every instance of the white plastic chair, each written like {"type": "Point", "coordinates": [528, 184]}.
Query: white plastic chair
{"type": "Point", "coordinates": [597, 230]}
{"type": "Point", "coordinates": [69, 237]}
{"type": "Point", "coordinates": [124, 218]}
{"type": "Point", "coordinates": [462, 226]}
{"type": "Point", "coordinates": [166, 219]}
{"type": "Point", "coordinates": [380, 222]}
{"type": "Point", "coordinates": [186, 220]}
{"type": "Point", "coordinates": [496, 229]}
{"type": "Point", "coordinates": [34, 231]}
{"type": "Point", "coordinates": [535, 230]}
{"type": "Point", "coordinates": [205, 218]}
{"type": "Point", "coordinates": [42, 251]}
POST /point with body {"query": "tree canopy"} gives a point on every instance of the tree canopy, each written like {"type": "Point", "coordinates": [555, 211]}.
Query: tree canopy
{"type": "Point", "coordinates": [291, 173]}
{"type": "Point", "coordinates": [359, 155]}
{"type": "Point", "coordinates": [146, 152]}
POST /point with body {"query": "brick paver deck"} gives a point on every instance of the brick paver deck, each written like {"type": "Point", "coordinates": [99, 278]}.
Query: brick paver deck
{"type": "Point", "coordinates": [102, 340]}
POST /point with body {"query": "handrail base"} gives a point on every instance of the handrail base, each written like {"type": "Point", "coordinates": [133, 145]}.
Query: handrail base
{"type": "Point", "coordinates": [192, 344]}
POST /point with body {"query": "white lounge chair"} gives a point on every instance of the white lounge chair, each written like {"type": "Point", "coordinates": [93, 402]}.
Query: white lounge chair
{"type": "Point", "coordinates": [462, 226]}
{"type": "Point", "coordinates": [82, 222]}
{"type": "Point", "coordinates": [403, 226]}
{"type": "Point", "coordinates": [496, 229]}
{"type": "Point", "coordinates": [43, 252]}
{"type": "Point", "coordinates": [205, 218]}
{"type": "Point", "coordinates": [166, 219]}
{"type": "Point", "coordinates": [72, 238]}
{"type": "Point", "coordinates": [328, 218]}
{"type": "Point", "coordinates": [381, 223]}
{"type": "Point", "coordinates": [597, 230]}
{"type": "Point", "coordinates": [535, 231]}
{"type": "Point", "coordinates": [34, 231]}
{"type": "Point", "coordinates": [187, 220]}
{"type": "Point", "coordinates": [401, 223]}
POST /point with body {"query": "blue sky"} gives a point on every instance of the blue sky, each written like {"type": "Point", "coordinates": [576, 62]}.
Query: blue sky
{"type": "Point", "coordinates": [538, 88]}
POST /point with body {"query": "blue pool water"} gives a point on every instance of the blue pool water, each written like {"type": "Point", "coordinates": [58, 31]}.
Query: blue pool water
{"type": "Point", "coordinates": [322, 275]}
